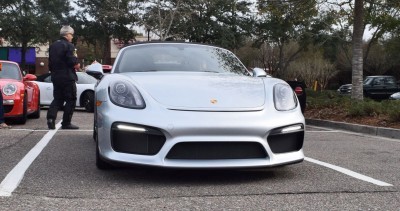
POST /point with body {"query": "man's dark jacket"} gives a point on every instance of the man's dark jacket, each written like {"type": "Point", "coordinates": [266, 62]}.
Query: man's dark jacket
{"type": "Point", "coordinates": [62, 61]}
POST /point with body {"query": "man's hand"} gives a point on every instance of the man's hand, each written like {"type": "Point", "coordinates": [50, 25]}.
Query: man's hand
{"type": "Point", "coordinates": [77, 66]}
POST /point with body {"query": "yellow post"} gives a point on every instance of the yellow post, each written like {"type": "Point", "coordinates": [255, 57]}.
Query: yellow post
{"type": "Point", "coordinates": [315, 85]}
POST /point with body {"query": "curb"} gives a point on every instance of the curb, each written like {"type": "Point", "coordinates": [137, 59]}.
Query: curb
{"type": "Point", "coordinates": [370, 130]}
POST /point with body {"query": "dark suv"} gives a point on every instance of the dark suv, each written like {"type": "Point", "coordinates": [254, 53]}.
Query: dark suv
{"type": "Point", "coordinates": [380, 86]}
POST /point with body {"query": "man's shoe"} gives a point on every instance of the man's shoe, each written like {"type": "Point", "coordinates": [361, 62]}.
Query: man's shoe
{"type": "Point", "coordinates": [51, 124]}
{"type": "Point", "coordinates": [70, 127]}
{"type": "Point", "coordinates": [4, 126]}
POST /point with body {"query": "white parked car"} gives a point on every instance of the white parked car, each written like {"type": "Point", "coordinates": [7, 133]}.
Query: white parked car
{"type": "Point", "coordinates": [395, 96]}
{"type": "Point", "coordinates": [84, 87]}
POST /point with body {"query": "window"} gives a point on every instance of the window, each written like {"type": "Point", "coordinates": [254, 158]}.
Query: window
{"type": "Point", "coordinates": [10, 71]}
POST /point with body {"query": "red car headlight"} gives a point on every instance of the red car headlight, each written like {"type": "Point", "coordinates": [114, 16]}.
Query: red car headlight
{"type": "Point", "coordinates": [9, 89]}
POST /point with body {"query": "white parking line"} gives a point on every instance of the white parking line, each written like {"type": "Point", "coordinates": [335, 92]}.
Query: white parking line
{"type": "Point", "coordinates": [348, 172]}
{"type": "Point", "coordinates": [31, 130]}
{"type": "Point", "coordinates": [12, 180]}
{"type": "Point", "coordinates": [34, 130]}
{"type": "Point", "coordinates": [327, 130]}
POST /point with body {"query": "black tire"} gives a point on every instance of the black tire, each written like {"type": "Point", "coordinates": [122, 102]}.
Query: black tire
{"type": "Point", "coordinates": [36, 114]}
{"type": "Point", "coordinates": [94, 132]}
{"type": "Point", "coordinates": [100, 163]}
{"type": "Point", "coordinates": [24, 117]}
{"type": "Point", "coordinates": [87, 101]}
{"type": "Point", "coordinates": [95, 126]}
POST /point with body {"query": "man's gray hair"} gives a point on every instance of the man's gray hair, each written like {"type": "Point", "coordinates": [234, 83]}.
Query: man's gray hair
{"type": "Point", "coordinates": [66, 30]}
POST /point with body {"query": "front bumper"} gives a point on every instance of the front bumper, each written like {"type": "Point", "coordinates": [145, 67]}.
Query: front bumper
{"type": "Point", "coordinates": [182, 139]}
{"type": "Point", "coordinates": [13, 107]}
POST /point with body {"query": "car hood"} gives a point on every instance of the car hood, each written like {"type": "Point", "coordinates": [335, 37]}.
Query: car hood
{"type": "Point", "coordinates": [201, 91]}
{"type": "Point", "coordinates": [4, 81]}
{"type": "Point", "coordinates": [7, 80]}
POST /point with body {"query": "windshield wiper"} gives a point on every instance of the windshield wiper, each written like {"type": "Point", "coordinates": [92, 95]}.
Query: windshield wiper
{"type": "Point", "coordinates": [209, 71]}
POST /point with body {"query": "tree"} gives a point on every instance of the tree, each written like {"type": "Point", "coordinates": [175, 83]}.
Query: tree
{"type": "Point", "coordinates": [160, 15]}
{"type": "Point", "coordinates": [29, 22]}
{"type": "Point", "coordinates": [283, 21]}
{"type": "Point", "coordinates": [357, 61]}
{"type": "Point", "coordinates": [311, 67]}
{"type": "Point", "coordinates": [219, 22]}
{"type": "Point", "coordinates": [382, 16]}
{"type": "Point", "coordinates": [104, 20]}
{"type": "Point", "coordinates": [378, 62]}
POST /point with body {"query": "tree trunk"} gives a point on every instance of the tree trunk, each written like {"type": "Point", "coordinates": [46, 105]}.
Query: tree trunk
{"type": "Point", "coordinates": [107, 51]}
{"type": "Point", "coordinates": [278, 71]}
{"type": "Point", "coordinates": [357, 61]}
{"type": "Point", "coordinates": [24, 48]}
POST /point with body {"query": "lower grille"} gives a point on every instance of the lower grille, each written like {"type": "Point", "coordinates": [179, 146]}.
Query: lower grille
{"type": "Point", "coordinates": [289, 142]}
{"type": "Point", "coordinates": [217, 150]}
{"type": "Point", "coordinates": [8, 108]}
{"type": "Point", "coordinates": [147, 142]}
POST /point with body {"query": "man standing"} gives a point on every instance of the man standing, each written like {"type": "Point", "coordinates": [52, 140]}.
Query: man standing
{"type": "Point", "coordinates": [62, 64]}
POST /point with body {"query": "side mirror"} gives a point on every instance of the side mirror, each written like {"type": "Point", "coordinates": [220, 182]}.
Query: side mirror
{"type": "Point", "coordinates": [30, 77]}
{"type": "Point", "coordinates": [96, 67]}
{"type": "Point", "coordinates": [258, 72]}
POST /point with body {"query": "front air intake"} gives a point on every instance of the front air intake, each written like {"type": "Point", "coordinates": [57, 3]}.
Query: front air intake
{"type": "Point", "coordinates": [286, 139]}
{"type": "Point", "coordinates": [136, 139]}
{"type": "Point", "coordinates": [217, 150]}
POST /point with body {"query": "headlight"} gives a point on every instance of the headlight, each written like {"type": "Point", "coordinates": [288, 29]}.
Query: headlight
{"type": "Point", "coordinates": [9, 89]}
{"type": "Point", "coordinates": [125, 94]}
{"type": "Point", "coordinates": [284, 97]}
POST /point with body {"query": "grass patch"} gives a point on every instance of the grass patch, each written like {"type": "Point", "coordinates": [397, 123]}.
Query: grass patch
{"type": "Point", "coordinates": [392, 109]}
{"type": "Point", "coordinates": [326, 99]}
{"type": "Point", "coordinates": [353, 108]}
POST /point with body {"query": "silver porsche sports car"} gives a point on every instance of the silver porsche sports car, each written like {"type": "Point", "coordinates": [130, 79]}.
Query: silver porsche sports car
{"type": "Point", "coordinates": [186, 105]}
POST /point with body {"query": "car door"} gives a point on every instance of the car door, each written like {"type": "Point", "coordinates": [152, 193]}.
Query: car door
{"type": "Point", "coordinates": [46, 91]}
{"type": "Point", "coordinates": [391, 86]}
{"type": "Point", "coordinates": [378, 87]}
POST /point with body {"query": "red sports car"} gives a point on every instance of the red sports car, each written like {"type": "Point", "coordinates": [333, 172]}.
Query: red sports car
{"type": "Point", "coordinates": [21, 96]}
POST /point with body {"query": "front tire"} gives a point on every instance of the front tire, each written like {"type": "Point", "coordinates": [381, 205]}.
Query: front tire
{"type": "Point", "coordinates": [24, 117]}
{"type": "Point", "coordinates": [100, 163]}
{"type": "Point", "coordinates": [36, 114]}
{"type": "Point", "coordinates": [88, 101]}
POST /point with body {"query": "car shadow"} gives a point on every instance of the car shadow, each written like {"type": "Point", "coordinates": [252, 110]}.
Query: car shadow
{"type": "Point", "coordinates": [202, 176]}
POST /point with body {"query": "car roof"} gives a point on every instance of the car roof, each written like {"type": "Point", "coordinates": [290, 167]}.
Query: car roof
{"type": "Point", "coordinates": [10, 62]}
{"type": "Point", "coordinates": [378, 76]}
{"type": "Point", "coordinates": [170, 42]}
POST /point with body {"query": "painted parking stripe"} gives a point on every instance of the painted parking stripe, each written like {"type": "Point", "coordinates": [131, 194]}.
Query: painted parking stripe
{"type": "Point", "coordinates": [12, 180]}
{"type": "Point", "coordinates": [329, 130]}
{"type": "Point", "coordinates": [34, 130]}
{"type": "Point", "coordinates": [348, 172]}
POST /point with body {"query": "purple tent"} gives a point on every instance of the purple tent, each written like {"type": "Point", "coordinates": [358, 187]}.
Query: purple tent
{"type": "Point", "coordinates": [14, 54]}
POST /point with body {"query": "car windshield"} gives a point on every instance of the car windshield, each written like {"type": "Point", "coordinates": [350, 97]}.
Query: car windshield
{"type": "Point", "coordinates": [10, 71]}
{"type": "Point", "coordinates": [368, 80]}
{"type": "Point", "coordinates": [84, 78]}
{"type": "Point", "coordinates": [178, 57]}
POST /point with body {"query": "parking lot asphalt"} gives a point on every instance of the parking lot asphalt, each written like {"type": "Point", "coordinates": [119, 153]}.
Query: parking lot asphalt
{"type": "Point", "coordinates": [365, 129]}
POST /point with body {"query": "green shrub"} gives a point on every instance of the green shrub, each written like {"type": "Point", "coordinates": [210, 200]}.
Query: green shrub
{"type": "Point", "coordinates": [326, 99]}
{"type": "Point", "coordinates": [356, 109]}
{"type": "Point", "coordinates": [365, 108]}
{"type": "Point", "coordinates": [392, 109]}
